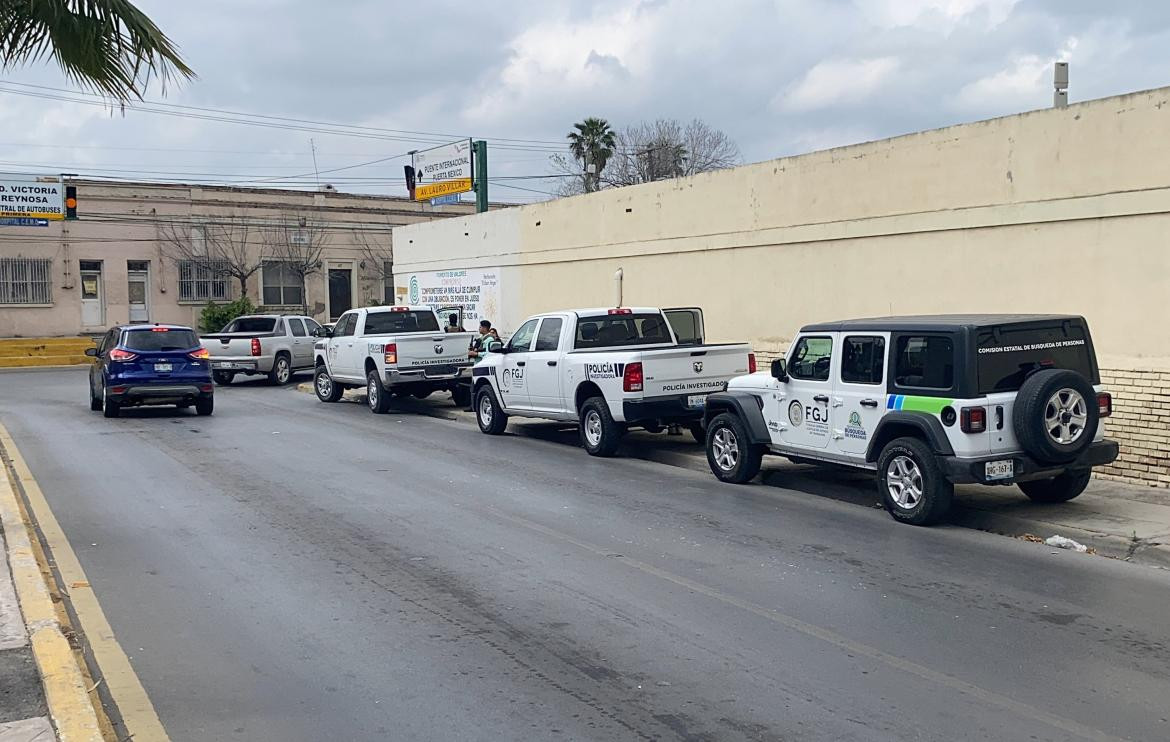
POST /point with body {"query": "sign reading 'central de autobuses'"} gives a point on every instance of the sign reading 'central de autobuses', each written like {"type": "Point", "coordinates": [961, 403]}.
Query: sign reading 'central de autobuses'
{"type": "Point", "coordinates": [441, 171]}
{"type": "Point", "coordinates": [31, 198]}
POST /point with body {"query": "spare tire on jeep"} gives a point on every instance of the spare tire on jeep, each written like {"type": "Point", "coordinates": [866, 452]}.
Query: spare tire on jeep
{"type": "Point", "coordinates": [1055, 415]}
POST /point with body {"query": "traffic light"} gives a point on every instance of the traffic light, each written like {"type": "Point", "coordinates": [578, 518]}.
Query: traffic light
{"type": "Point", "coordinates": [70, 202]}
{"type": "Point", "coordinates": [409, 169]}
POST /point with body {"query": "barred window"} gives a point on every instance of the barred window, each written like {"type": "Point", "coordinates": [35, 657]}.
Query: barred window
{"type": "Point", "coordinates": [26, 281]}
{"type": "Point", "coordinates": [202, 280]}
{"type": "Point", "coordinates": [282, 285]}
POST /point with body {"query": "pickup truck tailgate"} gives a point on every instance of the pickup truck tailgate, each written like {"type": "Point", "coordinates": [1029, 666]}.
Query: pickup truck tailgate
{"type": "Point", "coordinates": [697, 369]}
{"type": "Point", "coordinates": [230, 345]}
{"type": "Point", "coordinates": [440, 354]}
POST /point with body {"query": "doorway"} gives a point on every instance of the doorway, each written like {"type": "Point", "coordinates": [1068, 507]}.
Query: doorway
{"type": "Point", "coordinates": [93, 303]}
{"type": "Point", "coordinates": [138, 289]}
{"type": "Point", "coordinates": [340, 292]}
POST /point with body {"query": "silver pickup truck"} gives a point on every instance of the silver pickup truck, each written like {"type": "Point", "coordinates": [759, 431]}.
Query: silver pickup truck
{"type": "Point", "coordinates": [272, 345]}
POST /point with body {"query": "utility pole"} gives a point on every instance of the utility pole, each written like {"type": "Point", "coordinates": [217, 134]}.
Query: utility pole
{"type": "Point", "coordinates": [479, 153]}
{"type": "Point", "coordinates": [1060, 82]}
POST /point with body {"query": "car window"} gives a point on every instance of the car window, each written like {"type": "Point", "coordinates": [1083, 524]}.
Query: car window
{"type": "Point", "coordinates": [159, 339]}
{"type": "Point", "coordinates": [863, 360]}
{"type": "Point", "coordinates": [386, 323]}
{"type": "Point", "coordinates": [522, 339]}
{"type": "Point", "coordinates": [297, 327]}
{"type": "Point", "coordinates": [621, 329]}
{"type": "Point", "coordinates": [312, 325]}
{"type": "Point", "coordinates": [925, 361]}
{"type": "Point", "coordinates": [550, 333]}
{"type": "Point", "coordinates": [345, 326]}
{"type": "Point", "coordinates": [810, 359]}
{"type": "Point", "coordinates": [251, 324]}
{"type": "Point", "coordinates": [109, 340]}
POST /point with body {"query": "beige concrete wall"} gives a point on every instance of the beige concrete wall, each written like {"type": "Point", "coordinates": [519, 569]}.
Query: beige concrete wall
{"type": "Point", "coordinates": [119, 222]}
{"type": "Point", "coordinates": [1050, 211]}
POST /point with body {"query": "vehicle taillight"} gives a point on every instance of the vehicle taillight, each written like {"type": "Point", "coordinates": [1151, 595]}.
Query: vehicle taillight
{"type": "Point", "coordinates": [751, 363]}
{"type": "Point", "coordinates": [255, 346]}
{"type": "Point", "coordinates": [973, 419]}
{"type": "Point", "coordinates": [632, 378]}
{"type": "Point", "coordinates": [621, 310]}
{"type": "Point", "coordinates": [199, 354]}
{"type": "Point", "coordinates": [160, 329]}
{"type": "Point", "coordinates": [1104, 404]}
{"type": "Point", "coordinates": [399, 309]}
{"type": "Point", "coordinates": [117, 354]}
{"type": "Point", "coordinates": [391, 351]}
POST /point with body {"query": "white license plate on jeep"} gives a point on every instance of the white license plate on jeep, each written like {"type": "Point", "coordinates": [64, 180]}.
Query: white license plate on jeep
{"type": "Point", "coordinates": [696, 400]}
{"type": "Point", "coordinates": [1005, 469]}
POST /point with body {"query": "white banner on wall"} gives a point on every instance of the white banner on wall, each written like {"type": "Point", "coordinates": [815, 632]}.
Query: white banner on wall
{"type": "Point", "coordinates": [476, 289]}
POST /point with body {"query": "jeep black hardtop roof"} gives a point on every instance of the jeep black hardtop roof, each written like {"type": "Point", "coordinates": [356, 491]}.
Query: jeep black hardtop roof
{"type": "Point", "coordinates": [934, 322]}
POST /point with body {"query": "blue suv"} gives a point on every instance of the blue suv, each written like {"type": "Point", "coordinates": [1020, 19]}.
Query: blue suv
{"type": "Point", "coordinates": [150, 365]}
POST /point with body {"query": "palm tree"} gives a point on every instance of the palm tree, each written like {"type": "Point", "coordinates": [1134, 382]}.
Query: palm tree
{"type": "Point", "coordinates": [109, 46]}
{"type": "Point", "coordinates": [592, 144]}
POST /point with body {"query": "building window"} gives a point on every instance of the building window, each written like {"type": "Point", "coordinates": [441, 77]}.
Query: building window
{"type": "Point", "coordinates": [388, 282]}
{"type": "Point", "coordinates": [202, 280]}
{"type": "Point", "coordinates": [26, 281]}
{"type": "Point", "coordinates": [282, 285]}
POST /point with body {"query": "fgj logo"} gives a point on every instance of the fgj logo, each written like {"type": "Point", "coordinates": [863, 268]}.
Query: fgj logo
{"type": "Point", "coordinates": [414, 290]}
{"type": "Point", "coordinates": [796, 413]}
{"type": "Point", "coordinates": [698, 366]}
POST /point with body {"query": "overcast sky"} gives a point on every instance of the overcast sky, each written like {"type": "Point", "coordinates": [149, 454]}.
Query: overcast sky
{"type": "Point", "coordinates": [781, 78]}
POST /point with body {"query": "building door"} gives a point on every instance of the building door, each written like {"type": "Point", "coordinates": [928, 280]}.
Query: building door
{"type": "Point", "coordinates": [93, 303]}
{"type": "Point", "coordinates": [138, 289]}
{"type": "Point", "coordinates": [340, 292]}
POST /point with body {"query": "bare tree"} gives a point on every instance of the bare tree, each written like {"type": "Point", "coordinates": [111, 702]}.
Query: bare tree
{"type": "Point", "coordinates": [377, 254]}
{"type": "Point", "coordinates": [668, 149]}
{"type": "Point", "coordinates": [295, 242]}
{"type": "Point", "coordinates": [218, 247]}
{"type": "Point", "coordinates": [574, 180]}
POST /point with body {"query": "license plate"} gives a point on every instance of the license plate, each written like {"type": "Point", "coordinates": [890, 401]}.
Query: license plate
{"type": "Point", "coordinates": [1005, 469]}
{"type": "Point", "coordinates": [223, 365]}
{"type": "Point", "coordinates": [696, 400]}
{"type": "Point", "coordinates": [163, 367]}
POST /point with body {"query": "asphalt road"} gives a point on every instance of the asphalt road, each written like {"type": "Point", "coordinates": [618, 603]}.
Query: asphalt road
{"type": "Point", "coordinates": [291, 570]}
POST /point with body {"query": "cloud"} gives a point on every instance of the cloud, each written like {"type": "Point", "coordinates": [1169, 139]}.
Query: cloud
{"type": "Point", "coordinates": [840, 81]}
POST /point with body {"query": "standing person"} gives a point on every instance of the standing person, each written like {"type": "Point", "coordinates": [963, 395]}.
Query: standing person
{"type": "Point", "coordinates": [479, 346]}
{"type": "Point", "coordinates": [453, 323]}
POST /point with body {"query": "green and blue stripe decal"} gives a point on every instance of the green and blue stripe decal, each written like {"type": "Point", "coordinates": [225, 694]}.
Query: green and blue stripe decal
{"type": "Point", "coordinates": [911, 403]}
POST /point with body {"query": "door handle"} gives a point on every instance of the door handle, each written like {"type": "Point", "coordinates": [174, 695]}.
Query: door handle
{"type": "Point", "coordinates": [869, 403]}
{"type": "Point", "coordinates": [551, 363]}
{"type": "Point", "coordinates": [821, 398]}
{"type": "Point", "coordinates": [520, 363]}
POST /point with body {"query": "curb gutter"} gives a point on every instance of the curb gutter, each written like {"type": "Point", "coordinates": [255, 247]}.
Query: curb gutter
{"type": "Point", "coordinates": [68, 700]}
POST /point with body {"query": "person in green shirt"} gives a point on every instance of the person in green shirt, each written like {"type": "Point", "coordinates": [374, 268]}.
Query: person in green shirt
{"type": "Point", "coordinates": [479, 346]}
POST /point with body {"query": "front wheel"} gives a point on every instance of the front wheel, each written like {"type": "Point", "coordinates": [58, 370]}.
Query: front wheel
{"type": "Point", "coordinates": [281, 371]}
{"type": "Point", "coordinates": [204, 406]}
{"type": "Point", "coordinates": [912, 484]}
{"type": "Point", "coordinates": [223, 378]}
{"type": "Point", "coordinates": [1061, 488]}
{"type": "Point", "coordinates": [488, 414]}
{"type": "Point", "coordinates": [327, 390]}
{"type": "Point", "coordinates": [600, 434]}
{"type": "Point", "coordinates": [730, 453]}
{"type": "Point", "coordinates": [376, 395]}
{"type": "Point", "coordinates": [95, 402]}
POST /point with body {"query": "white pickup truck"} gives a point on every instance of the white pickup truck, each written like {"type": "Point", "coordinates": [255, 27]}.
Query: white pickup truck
{"type": "Point", "coordinates": [609, 369]}
{"type": "Point", "coordinates": [397, 350]}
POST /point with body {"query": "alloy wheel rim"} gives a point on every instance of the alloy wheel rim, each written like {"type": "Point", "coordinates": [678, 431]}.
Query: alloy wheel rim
{"type": "Point", "coordinates": [282, 370]}
{"type": "Point", "coordinates": [593, 427]}
{"type": "Point", "coordinates": [324, 385]}
{"type": "Point", "coordinates": [485, 410]}
{"type": "Point", "coordinates": [372, 392]}
{"type": "Point", "coordinates": [725, 447]}
{"type": "Point", "coordinates": [1066, 416]}
{"type": "Point", "coordinates": [904, 482]}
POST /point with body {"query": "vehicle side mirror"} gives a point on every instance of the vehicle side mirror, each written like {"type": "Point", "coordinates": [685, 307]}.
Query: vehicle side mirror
{"type": "Point", "coordinates": [91, 352]}
{"type": "Point", "coordinates": [779, 370]}
{"type": "Point", "coordinates": [322, 332]}
{"type": "Point", "coordinates": [495, 346]}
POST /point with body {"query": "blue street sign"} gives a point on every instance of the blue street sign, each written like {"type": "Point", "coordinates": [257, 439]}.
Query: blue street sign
{"type": "Point", "coordinates": [450, 198]}
{"type": "Point", "coordinates": [22, 221]}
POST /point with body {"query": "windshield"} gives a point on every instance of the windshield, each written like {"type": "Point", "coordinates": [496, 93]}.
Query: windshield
{"type": "Point", "coordinates": [386, 323]}
{"type": "Point", "coordinates": [1006, 355]}
{"type": "Point", "coordinates": [621, 329]}
{"type": "Point", "coordinates": [159, 339]}
{"type": "Point", "coordinates": [251, 324]}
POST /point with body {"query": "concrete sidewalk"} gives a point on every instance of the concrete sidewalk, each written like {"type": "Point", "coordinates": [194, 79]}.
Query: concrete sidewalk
{"type": "Point", "coordinates": [1117, 520]}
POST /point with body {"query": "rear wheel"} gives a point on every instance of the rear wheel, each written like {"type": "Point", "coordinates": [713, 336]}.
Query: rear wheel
{"type": "Point", "coordinates": [491, 419]}
{"type": "Point", "coordinates": [323, 385]}
{"type": "Point", "coordinates": [376, 396]}
{"type": "Point", "coordinates": [730, 453]}
{"type": "Point", "coordinates": [600, 434]}
{"type": "Point", "coordinates": [912, 484]}
{"type": "Point", "coordinates": [110, 408]}
{"type": "Point", "coordinates": [1061, 488]}
{"type": "Point", "coordinates": [281, 371]}
{"type": "Point", "coordinates": [223, 378]}
{"type": "Point", "coordinates": [205, 405]}
{"type": "Point", "coordinates": [95, 402]}
{"type": "Point", "coordinates": [461, 395]}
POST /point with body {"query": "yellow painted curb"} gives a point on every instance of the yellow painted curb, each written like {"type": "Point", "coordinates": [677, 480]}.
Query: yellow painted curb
{"type": "Point", "coordinates": [69, 705]}
{"type": "Point", "coordinates": [122, 683]}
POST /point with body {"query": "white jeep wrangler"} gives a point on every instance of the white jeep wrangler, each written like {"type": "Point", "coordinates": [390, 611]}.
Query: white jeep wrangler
{"type": "Point", "coordinates": [925, 402]}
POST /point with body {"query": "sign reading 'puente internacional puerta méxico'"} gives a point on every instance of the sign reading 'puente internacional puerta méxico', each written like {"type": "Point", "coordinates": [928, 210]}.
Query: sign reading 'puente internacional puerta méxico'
{"type": "Point", "coordinates": [442, 171]}
{"type": "Point", "coordinates": [31, 197]}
